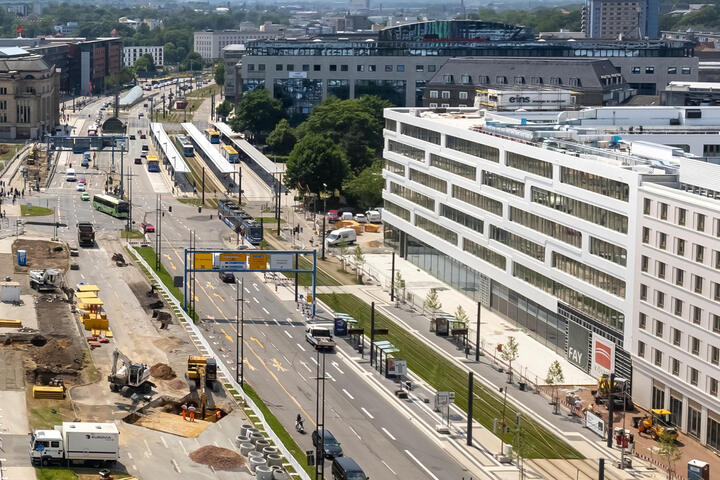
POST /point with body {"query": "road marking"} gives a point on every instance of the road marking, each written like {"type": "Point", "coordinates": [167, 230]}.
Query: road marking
{"type": "Point", "coordinates": [367, 413]}
{"type": "Point", "coordinates": [288, 334]}
{"type": "Point", "coordinates": [277, 365]}
{"type": "Point", "coordinates": [172, 265]}
{"type": "Point", "coordinates": [276, 322]}
{"type": "Point", "coordinates": [353, 430]}
{"type": "Point", "coordinates": [265, 310]}
{"type": "Point", "coordinates": [300, 347]}
{"type": "Point", "coordinates": [253, 339]}
{"type": "Point", "coordinates": [286, 358]}
{"type": "Point", "coordinates": [219, 296]}
{"type": "Point", "coordinates": [348, 394]}
{"type": "Point", "coordinates": [147, 447]}
{"type": "Point", "coordinates": [256, 287]}
{"type": "Point", "coordinates": [183, 447]}
{"type": "Point", "coordinates": [305, 365]}
{"type": "Point", "coordinates": [313, 360]}
{"type": "Point", "coordinates": [289, 320]}
{"type": "Point", "coordinates": [421, 465]}
{"type": "Point", "coordinates": [335, 364]}
{"type": "Point", "coordinates": [256, 300]}
{"type": "Point", "coordinates": [388, 467]}
{"type": "Point", "coordinates": [246, 290]}
{"type": "Point", "coordinates": [392, 437]}
{"type": "Point", "coordinates": [129, 455]}
{"type": "Point", "coordinates": [175, 465]}
{"type": "Point", "coordinates": [226, 335]}
{"type": "Point", "coordinates": [247, 362]}
{"type": "Point", "coordinates": [327, 375]}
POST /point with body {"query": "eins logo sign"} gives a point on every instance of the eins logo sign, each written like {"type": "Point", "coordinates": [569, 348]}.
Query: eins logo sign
{"type": "Point", "coordinates": [603, 355]}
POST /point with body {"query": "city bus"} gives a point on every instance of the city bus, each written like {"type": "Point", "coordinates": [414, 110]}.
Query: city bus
{"type": "Point", "coordinates": [156, 81]}
{"type": "Point", "coordinates": [111, 205]}
{"type": "Point", "coordinates": [230, 154]}
{"type": "Point", "coordinates": [187, 146]}
{"type": "Point", "coordinates": [212, 135]}
{"type": "Point", "coordinates": [252, 231]}
{"type": "Point", "coordinates": [153, 165]}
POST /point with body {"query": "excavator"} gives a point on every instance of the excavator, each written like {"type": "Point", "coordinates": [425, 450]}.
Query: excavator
{"type": "Point", "coordinates": [47, 280]}
{"type": "Point", "coordinates": [204, 371]}
{"type": "Point", "coordinates": [656, 425]}
{"type": "Point", "coordinates": [134, 377]}
{"type": "Point", "coordinates": [622, 398]}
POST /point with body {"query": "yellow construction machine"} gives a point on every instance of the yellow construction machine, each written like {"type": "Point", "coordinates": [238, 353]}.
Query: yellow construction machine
{"type": "Point", "coordinates": [657, 424]}
{"type": "Point", "coordinates": [203, 370]}
{"type": "Point", "coordinates": [622, 398]}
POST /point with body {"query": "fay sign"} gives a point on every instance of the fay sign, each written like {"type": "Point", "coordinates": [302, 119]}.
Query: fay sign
{"type": "Point", "coordinates": [578, 345]}
{"type": "Point", "coordinates": [603, 356]}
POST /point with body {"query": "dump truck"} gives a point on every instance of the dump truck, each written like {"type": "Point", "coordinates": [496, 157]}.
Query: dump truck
{"type": "Point", "coordinates": [47, 280]}
{"type": "Point", "coordinates": [131, 376]}
{"type": "Point", "coordinates": [86, 234]}
{"type": "Point", "coordinates": [320, 338]}
{"type": "Point", "coordinates": [75, 442]}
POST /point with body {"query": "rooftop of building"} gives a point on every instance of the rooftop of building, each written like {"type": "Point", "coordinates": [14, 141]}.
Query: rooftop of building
{"type": "Point", "coordinates": [601, 134]}
{"type": "Point", "coordinates": [25, 63]}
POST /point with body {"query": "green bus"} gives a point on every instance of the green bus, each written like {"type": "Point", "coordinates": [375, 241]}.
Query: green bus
{"type": "Point", "coordinates": [111, 205]}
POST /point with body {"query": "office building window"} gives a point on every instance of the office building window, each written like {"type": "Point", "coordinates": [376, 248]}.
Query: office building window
{"type": "Point", "coordinates": [431, 68]}
{"type": "Point", "coordinates": [501, 80]}
{"type": "Point", "coordinates": [658, 358]}
{"type": "Point", "coordinates": [695, 346]}
{"type": "Point", "coordinates": [716, 261]}
{"type": "Point", "coordinates": [517, 242]}
{"type": "Point", "coordinates": [595, 183]}
{"type": "Point", "coordinates": [397, 210]}
{"type": "Point", "coordinates": [290, 67]}
{"type": "Point", "coordinates": [663, 211]}
{"type": "Point", "coordinates": [419, 68]}
{"type": "Point", "coordinates": [714, 355]}
{"type": "Point", "coordinates": [643, 292]}
{"type": "Point", "coordinates": [462, 218]}
{"type": "Point", "coordinates": [412, 195]}
{"type": "Point", "coordinates": [503, 183]}
{"type": "Point", "coordinates": [548, 227]}
{"type": "Point", "coordinates": [306, 67]}
{"type": "Point", "coordinates": [420, 133]}
{"type": "Point", "coordinates": [716, 291]}
{"type": "Point", "coordinates": [675, 368]}
{"type": "Point", "coordinates": [466, 79]}
{"type": "Point", "coordinates": [343, 68]}
{"type": "Point", "coordinates": [361, 68]}
{"type": "Point", "coordinates": [699, 222]}
{"type": "Point", "coordinates": [681, 216]}
{"type": "Point", "coordinates": [529, 164]}
{"type": "Point", "coordinates": [278, 67]}
{"type": "Point", "coordinates": [659, 328]}
{"type": "Point", "coordinates": [588, 274]}
{"type": "Point", "coordinates": [699, 253]}
{"type": "Point", "coordinates": [428, 180]}
{"type": "Point", "coordinates": [646, 206]}
{"type": "Point", "coordinates": [452, 166]}
{"type": "Point", "coordinates": [716, 323]}
{"type": "Point", "coordinates": [390, 125]}
{"type": "Point", "coordinates": [434, 94]}
{"type": "Point", "coordinates": [251, 67]}
{"type": "Point", "coordinates": [316, 68]}
{"type": "Point", "coordinates": [401, 68]}
{"type": "Point", "coordinates": [333, 68]}
{"type": "Point", "coordinates": [372, 68]}
{"type": "Point", "coordinates": [661, 269]}
{"type": "Point", "coordinates": [388, 68]}
{"type": "Point", "coordinates": [694, 376]}
{"type": "Point", "coordinates": [672, 70]}
{"type": "Point", "coordinates": [473, 148]}
{"type": "Point", "coordinates": [261, 67]}
{"type": "Point", "coordinates": [649, 70]}
{"type": "Point", "coordinates": [519, 80]}
{"type": "Point", "coordinates": [678, 307]}
{"type": "Point", "coordinates": [662, 240]}
{"type": "Point", "coordinates": [642, 321]}
{"type": "Point", "coordinates": [635, 70]}
{"type": "Point", "coordinates": [394, 167]}
{"type": "Point", "coordinates": [677, 337]}
{"type": "Point", "coordinates": [477, 200]}
{"type": "Point", "coordinates": [641, 349]}
{"type": "Point", "coordinates": [646, 235]}
{"type": "Point", "coordinates": [582, 210]}
{"type": "Point", "coordinates": [685, 70]}
{"type": "Point", "coordinates": [680, 247]}
{"type": "Point", "coordinates": [445, 94]}
{"type": "Point", "coordinates": [698, 284]}
{"type": "Point", "coordinates": [462, 95]}
{"type": "Point", "coordinates": [713, 392]}
{"type": "Point", "coordinates": [660, 299]}
{"type": "Point", "coordinates": [485, 254]}
{"type": "Point", "coordinates": [644, 262]}
{"type": "Point", "coordinates": [406, 150]}
{"type": "Point", "coordinates": [435, 229]}
{"type": "Point", "coordinates": [696, 315]}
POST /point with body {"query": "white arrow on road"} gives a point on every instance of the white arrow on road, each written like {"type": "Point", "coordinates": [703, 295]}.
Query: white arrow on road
{"type": "Point", "coordinates": [335, 364]}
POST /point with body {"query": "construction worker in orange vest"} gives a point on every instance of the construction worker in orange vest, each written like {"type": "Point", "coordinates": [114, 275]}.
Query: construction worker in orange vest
{"type": "Point", "coordinates": [184, 411]}
{"type": "Point", "coordinates": [191, 409]}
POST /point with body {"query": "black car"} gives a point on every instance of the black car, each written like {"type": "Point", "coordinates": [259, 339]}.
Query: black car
{"type": "Point", "coordinates": [227, 277]}
{"type": "Point", "coordinates": [331, 447]}
{"type": "Point", "coordinates": [132, 137]}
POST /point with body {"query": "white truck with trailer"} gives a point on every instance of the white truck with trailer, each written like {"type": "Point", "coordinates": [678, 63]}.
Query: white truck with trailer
{"type": "Point", "coordinates": [320, 338]}
{"type": "Point", "coordinates": [75, 442]}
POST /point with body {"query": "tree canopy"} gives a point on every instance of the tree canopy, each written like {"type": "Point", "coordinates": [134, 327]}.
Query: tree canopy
{"type": "Point", "coordinates": [224, 108]}
{"type": "Point", "coordinates": [220, 73]}
{"type": "Point", "coordinates": [282, 139]}
{"type": "Point", "coordinates": [145, 64]}
{"type": "Point", "coordinates": [365, 188]}
{"type": "Point", "coordinates": [315, 160]}
{"type": "Point", "coordinates": [257, 113]}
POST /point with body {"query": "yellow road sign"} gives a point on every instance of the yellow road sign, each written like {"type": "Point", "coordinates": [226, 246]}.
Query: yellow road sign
{"type": "Point", "coordinates": [257, 261]}
{"type": "Point", "coordinates": [203, 261]}
{"type": "Point", "coordinates": [233, 257]}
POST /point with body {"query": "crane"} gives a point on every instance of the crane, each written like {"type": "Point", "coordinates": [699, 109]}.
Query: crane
{"type": "Point", "coordinates": [134, 376]}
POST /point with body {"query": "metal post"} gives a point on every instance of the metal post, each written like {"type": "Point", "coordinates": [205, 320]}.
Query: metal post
{"type": "Point", "coordinates": [278, 204]}
{"type": "Point", "coordinates": [238, 361]}
{"type": "Point", "coordinates": [477, 334]}
{"type": "Point", "coordinates": [392, 278]}
{"type": "Point", "coordinates": [242, 333]}
{"type": "Point", "coordinates": [323, 238]}
{"type": "Point", "coordinates": [502, 421]}
{"type": "Point", "coordinates": [239, 183]}
{"type": "Point", "coordinates": [372, 331]}
{"type": "Point", "coordinates": [203, 185]}
{"type": "Point", "coordinates": [296, 277]}
{"type": "Point", "coordinates": [314, 283]}
{"type": "Point", "coordinates": [471, 383]}
{"type": "Point", "coordinates": [611, 411]}
{"type": "Point", "coordinates": [517, 442]}
{"type": "Point", "coordinates": [185, 274]}
{"type": "Point", "coordinates": [601, 469]}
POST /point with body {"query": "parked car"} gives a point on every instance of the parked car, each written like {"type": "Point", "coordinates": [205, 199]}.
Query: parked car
{"type": "Point", "coordinates": [227, 277]}
{"type": "Point", "coordinates": [373, 216]}
{"type": "Point", "coordinates": [332, 216]}
{"type": "Point", "coordinates": [138, 161]}
{"type": "Point", "coordinates": [147, 227]}
{"type": "Point", "coordinates": [345, 468]}
{"type": "Point", "coordinates": [331, 447]}
{"type": "Point", "coordinates": [361, 218]}
{"type": "Point", "coordinates": [343, 235]}
{"type": "Point", "coordinates": [346, 216]}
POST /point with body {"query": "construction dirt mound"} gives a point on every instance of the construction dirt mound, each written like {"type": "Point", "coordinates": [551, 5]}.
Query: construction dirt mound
{"type": "Point", "coordinates": [162, 371]}
{"type": "Point", "coordinates": [217, 457]}
{"type": "Point", "coordinates": [58, 353]}
{"type": "Point", "coordinates": [178, 384]}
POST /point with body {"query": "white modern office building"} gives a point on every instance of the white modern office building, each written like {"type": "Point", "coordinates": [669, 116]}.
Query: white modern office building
{"type": "Point", "coordinates": [539, 216]}
{"type": "Point", "coordinates": [131, 54]}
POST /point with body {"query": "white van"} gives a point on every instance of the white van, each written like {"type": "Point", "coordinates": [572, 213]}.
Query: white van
{"type": "Point", "coordinates": [70, 175]}
{"type": "Point", "coordinates": [336, 237]}
{"type": "Point", "coordinates": [346, 216]}
{"type": "Point", "coordinates": [373, 216]}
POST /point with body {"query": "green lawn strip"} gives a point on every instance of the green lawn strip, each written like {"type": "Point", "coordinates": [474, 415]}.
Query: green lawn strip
{"type": "Point", "coordinates": [131, 234]}
{"type": "Point", "coordinates": [443, 375]}
{"type": "Point", "coordinates": [45, 417]}
{"type": "Point", "coordinates": [35, 211]}
{"type": "Point", "coordinates": [270, 221]}
{"type": "Point", "coordinates": [51, 473]}
{"type": "Point", "coordinates": [12, 150]}
{"type": "Point", "coordinates": [204, 91]}
{"type": "Point", "coordinates": [280, 431]}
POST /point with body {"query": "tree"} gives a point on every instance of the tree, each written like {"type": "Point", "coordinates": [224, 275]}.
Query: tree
{"type": "Point", "coordinates": [509, 354]}
{"type": "Point", "coordinates": [220, 73]}
{"type": "Point", "coordinates": [192, 61]}
{"type": "Point", "coordinates": [224, 108]}
{"type": "Point", "coordinates": [315, 161]}
{"type": "Point", "coordinates": [554, 377]}
{"type": "Point", "coordinates": [359, 260]}
{"type": "Point", "coordinates": [670, 451]}
{"type": "Point", "coordinates": [365, 189]}
{"type": "Point", "coordinates": [461, 316]}
{"type": "Point", "coordinates": [432, 303]}
{"type": "Point", "coordinates": [282, 139]}
{"type": "Point", "coordinates": [145, 64]}
{"type": "Point", "coordinates": [257, 113]}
